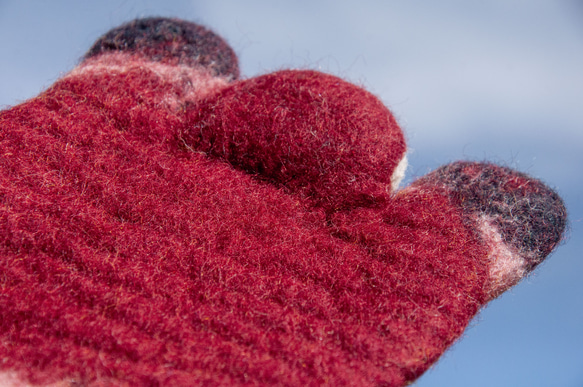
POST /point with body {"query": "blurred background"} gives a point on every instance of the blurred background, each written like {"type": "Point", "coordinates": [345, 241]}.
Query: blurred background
{"type": "Point", "coordinates": [500, 80]}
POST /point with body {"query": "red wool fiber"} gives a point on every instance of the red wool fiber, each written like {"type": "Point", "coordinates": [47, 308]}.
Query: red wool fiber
{"type": "Point", "coordinates": [161, 227]}
{"type": "Point", "coordinates": [309, 132]}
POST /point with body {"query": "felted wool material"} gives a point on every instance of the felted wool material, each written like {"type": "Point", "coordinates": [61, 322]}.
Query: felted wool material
{"type": "Point", "coordinates": [315, 135]}
{"type": "Point", "coordinates": [171, 41]}
{"type": "Point", "coordinates": [163, 223]}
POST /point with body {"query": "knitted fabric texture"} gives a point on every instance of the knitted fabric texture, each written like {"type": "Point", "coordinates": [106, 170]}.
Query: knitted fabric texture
{"type": "Point", "coordinates": [172, 41]}
{"type": "Point", "coordinates": [162, 223]}
{"type": "Point", "coordinates": [314, 134]}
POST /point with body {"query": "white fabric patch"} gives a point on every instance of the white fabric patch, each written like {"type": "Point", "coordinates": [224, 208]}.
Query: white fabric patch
{"type": "Point", "coordinates": [9, 379]}
{"type": "Point", "coordinates": [399, 173]}
{"type": "Point", "coordinates": [196, 82]}
{"type": "Point", "coordinates": [507, 266]}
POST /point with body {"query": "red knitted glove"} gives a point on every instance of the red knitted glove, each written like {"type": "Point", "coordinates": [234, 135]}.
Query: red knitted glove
{"type": "Point", "coordinates": [163, 223]}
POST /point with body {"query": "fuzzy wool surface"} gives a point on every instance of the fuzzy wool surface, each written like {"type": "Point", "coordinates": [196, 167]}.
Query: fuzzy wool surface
{"type": "Point", "coordinates": [162, 223]}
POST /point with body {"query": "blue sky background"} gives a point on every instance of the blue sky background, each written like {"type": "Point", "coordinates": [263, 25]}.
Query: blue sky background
{"type": "Point", "coordinates": [500, 80]}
